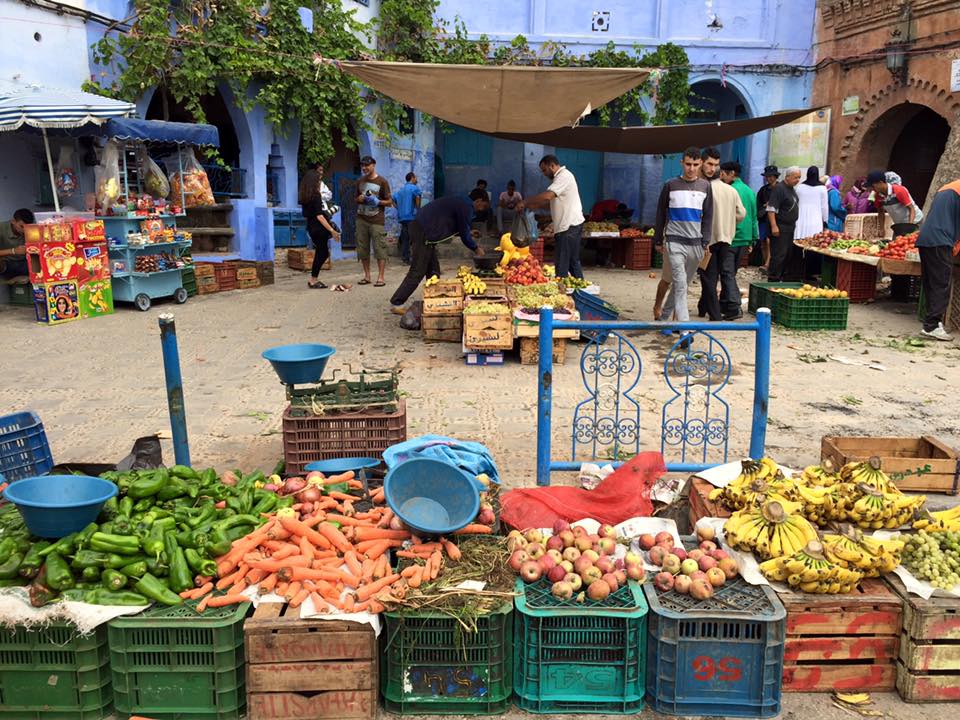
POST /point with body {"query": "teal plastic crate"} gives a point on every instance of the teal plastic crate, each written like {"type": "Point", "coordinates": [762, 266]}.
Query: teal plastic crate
{"type": "Point", "coordinates": [762, 295]}
{"type": "Point", "coordinates": [580, 658]}
{"type": "Point", "coordinates": [811, 313]}
{"type": "Point", "coordinates": [431, 665]}
{"type": "Point", "coordinates": [169, 663]}
{"type": "Point", "coordinates": [656, 259]}
{"type": "Point", "coordinates": [54, 673]}
{"type": "Point", "coordinates": [719, 657]}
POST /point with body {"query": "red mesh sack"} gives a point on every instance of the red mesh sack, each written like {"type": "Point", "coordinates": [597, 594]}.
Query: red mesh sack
{"type": "Point", "coordinates": [622, 495]}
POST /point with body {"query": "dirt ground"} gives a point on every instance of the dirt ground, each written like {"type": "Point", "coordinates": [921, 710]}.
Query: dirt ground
{"type": "Point", "coordinates": [98, 384]}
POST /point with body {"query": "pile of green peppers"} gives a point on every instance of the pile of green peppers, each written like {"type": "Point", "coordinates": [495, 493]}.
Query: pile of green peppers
{"type": "Point", "coordinates": [151, 542]}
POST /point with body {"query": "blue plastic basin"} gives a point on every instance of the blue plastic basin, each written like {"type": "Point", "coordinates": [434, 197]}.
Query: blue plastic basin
{"type": "Point", "coordinates": [53, 506]}
{"type": "Point", "coordinates": [298, 364]}
{"type": "Point", "coordinates": [432, 496]}
{"type": "Point", "coordinates": [342, 465]}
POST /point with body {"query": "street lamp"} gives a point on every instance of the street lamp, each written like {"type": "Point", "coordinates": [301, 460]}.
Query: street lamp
{"type": "Point", "coordinates": [897, 60]}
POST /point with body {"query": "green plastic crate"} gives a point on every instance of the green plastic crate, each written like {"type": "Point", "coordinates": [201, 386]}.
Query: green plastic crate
{"type": "Point", "coordinates": [54, 673]}
{"type": "Point", "coordinates": [21, 294]}
{"type": "Point", "coordinates": [171, 663]}
{"type": "Point", "coordinates": [828, 272]}
{"type": "Point", "coordinates": [761, 295]}
{"type": "Point", "coordinates": [580, 658]}
{"type": "Point", "coordinates": [188, 278]}
{"type": "Point", "coordinates": [812, 313]}
{"type": "Point", "coordinates": [432, 666]}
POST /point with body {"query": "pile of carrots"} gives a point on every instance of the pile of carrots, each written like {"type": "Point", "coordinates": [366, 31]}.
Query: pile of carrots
{"type": "Point", "coordinates": [343, 569]}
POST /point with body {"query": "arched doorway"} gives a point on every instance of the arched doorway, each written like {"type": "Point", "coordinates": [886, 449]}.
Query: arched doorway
{"type": "Point", "coordinates": [917, 150]}
{"type": "Point", "coordinates": [711, 101]}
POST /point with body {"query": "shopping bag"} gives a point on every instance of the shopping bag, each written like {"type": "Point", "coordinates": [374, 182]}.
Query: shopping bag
{"type": "Point", "coordinates": [154, 181]}
{"type": "Point", "coordinates": [107, 177]}
{"type": "Point", "coordinates": [191, 181]}
{"type": "Point", "coordinates": [520, 234]}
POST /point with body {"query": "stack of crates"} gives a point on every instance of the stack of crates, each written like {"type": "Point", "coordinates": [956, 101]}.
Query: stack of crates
{"type": "Point", "coordinates": [580, 658]}
{"type": "Point", "coordinates": [24, 450]}
{"type": "Point", "coordinates": [226, 274]}
{"type": "Point", "coordinates": [206, 279]}
{"type": "Point", "coordinates": [722, 656]}
{"type": "Point", "coordinates": [170, 663]}
{"type": "Point", "coordinates": [639, 253]}
{"type": "Point", "coordinates": [432, 665]}
{"type": "Point", "coordinates": [54, 672]}
{"type": "Point", "coordinates": [188, 279]}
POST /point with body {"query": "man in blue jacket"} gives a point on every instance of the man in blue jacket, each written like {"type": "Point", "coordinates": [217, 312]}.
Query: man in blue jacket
{"type": "Point", "coordinates": [938, 242]}
{"type": "Point", "coordinates": [435, 222]}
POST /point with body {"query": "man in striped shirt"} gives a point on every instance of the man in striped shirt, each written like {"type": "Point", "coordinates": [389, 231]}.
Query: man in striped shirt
{"type": "Point", "coordinates": [683, 228]}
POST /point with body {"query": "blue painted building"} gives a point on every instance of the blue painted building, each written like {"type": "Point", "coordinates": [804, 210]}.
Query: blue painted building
{"type": "Point", "coordinates": [721, 38]}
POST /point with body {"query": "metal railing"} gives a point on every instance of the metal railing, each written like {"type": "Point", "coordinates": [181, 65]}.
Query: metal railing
{"type": "Point", "coordinates": [695, 420]}
{"type": "Point", "coordinates": [226, 181]}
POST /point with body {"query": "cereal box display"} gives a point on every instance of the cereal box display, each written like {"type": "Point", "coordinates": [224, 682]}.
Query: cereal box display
{"type": "Point", "coordinates": [96, 298]}
{"type": "Point", "coordinates": [56, 302]}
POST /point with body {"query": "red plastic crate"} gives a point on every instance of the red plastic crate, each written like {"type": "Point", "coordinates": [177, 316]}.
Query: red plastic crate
{"type": "Point", "coordinates": [536, 249]}
{"type": "Point", "coordinates": [310, 438]}
{"type": "Point", "coordinates": [639, 254]}
{"type": "Point", "coordinates": [858, 279]}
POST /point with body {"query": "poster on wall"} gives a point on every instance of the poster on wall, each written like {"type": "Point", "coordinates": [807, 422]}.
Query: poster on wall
{"type": "Point", "coordinates": [803, 142]}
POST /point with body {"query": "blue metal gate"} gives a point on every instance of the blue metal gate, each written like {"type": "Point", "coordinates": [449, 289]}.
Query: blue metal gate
{"type": "Point", "coordinates": [695, 421]}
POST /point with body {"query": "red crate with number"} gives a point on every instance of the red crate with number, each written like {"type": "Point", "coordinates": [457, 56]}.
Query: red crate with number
{"type": "Point", "coordinates": [719, 657]}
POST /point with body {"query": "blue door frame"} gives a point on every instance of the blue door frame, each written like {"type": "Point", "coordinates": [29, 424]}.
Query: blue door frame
{"type": "Point", "coordinates": [696, 370]}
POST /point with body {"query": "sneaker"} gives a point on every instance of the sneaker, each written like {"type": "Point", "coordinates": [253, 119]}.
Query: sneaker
{"type": "Point", "coordinates": [735, 316]}
{"type": "Point", "coordinates": [938, 333]}
{"type": "Point", "coordinates": [685, 341]}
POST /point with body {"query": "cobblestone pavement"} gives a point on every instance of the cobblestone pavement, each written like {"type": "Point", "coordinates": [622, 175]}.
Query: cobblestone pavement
{"type": "Point", "coordinates": [98, 384]}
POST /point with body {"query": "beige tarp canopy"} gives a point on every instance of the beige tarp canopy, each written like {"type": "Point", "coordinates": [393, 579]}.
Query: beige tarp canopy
{"type": "Point", "coordinates": [498, 99]}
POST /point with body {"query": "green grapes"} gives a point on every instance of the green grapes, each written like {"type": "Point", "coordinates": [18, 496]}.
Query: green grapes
{"type": "Point", "coordinates": [935, 558]}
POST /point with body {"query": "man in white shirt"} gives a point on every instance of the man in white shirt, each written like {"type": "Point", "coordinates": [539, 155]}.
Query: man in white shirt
{"type": "Point", "coordinates": [566, 211]}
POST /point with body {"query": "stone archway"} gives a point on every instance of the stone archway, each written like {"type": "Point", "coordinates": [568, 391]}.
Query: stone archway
{"type": "Point", "coordinates": [874, 130]}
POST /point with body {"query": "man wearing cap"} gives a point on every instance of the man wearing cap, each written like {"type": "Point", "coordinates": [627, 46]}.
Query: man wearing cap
{"type": "Point", "coordinates": [373, 195]}
{"type": "Point", "coordinates": [892, 198]}
{"type": "Point", "coordinates": [771, 174]}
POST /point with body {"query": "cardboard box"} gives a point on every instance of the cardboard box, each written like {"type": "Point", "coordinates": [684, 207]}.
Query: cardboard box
{"type": "Point", "coordinates": [52, 261]}
{"type": "Point", "coordinates": [96, 298]}
{"type": "Point", "coordinates": [94, 262]}
{"type": "Point", "coordinates": [89, 231]}
{"type": "Point", "coordinates": [495, 358]}
{"type": "Point", "coordinates": [56, 302]}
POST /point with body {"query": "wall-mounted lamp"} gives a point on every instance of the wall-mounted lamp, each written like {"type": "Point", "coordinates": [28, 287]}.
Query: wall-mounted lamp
{"type": "Point", "coordinates": [897, 60]}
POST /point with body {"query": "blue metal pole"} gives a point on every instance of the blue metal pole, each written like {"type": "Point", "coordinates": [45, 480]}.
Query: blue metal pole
{"type": "Point", "coordinates": [761, 385]}
{"type": "Point", "coordinates": [171, 372]}
{"type": "Point", "coordinates": [544, 396]}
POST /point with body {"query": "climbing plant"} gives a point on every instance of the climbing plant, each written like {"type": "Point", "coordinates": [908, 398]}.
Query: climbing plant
{"type": "Point", "coordinates": [262, 52]}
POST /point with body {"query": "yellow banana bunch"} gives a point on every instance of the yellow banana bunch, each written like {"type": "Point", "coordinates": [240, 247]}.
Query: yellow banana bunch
{"type": "Point", "coordinates": [822, 475]}
{"type": "Point", "coordinates": [813, 501]}
{"type": "Point", "coordinates": [868, 473]}
{"type": "Point", "coordinates": [463, 271]}
{"type": "Point", "coordinates": [758, 482]}
{"type": "Point", "coordinates": [472, 285]}
{"type": "Point", "coordinates": [770, 530]}
{"type": "Point", "coordinates": [432, 280]}
{"type": "Point", "coordinates": [940, 521]}
{"type": "Point", "coordinates": [853, 550]}
{"type": "Point", "coordinates": [809, 570]}
{"type": "Point", "coordinates": [877, 509]}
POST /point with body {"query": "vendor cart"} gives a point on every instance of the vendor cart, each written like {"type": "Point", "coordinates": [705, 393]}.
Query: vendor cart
{"type": "Point", "coordinates": [128, 241]}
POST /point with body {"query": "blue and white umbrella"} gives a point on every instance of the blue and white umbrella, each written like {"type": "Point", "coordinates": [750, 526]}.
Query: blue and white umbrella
{"type": "Point", "coordinates": [54, 108]}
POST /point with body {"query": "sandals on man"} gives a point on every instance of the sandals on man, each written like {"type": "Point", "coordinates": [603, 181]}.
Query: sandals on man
{"type": "Point", "coordinates": [317, 285]}
{"type": "Point", "coordinates": [363, 281]}
{"type": "Point", "coordinates": [379, 283]}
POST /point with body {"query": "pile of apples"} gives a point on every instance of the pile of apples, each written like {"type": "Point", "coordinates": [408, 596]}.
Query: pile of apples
{"type": "Point", "coordinates": [696, 573]}
{"type": "Point", "coordinates": [580, 565]}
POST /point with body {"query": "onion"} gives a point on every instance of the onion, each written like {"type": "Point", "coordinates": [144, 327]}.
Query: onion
{"type": "Point", "coordinates": [396, 523]}
{"type": "Point", "coordinates": [293, 485]}
{"type": "Point", "coordinates": [310, 494]}
{"type": "Point", "coordinates": [270, 487]}
{"type": "Point", "coordinates": [306, 508]}
{"type": "Point", "coordinates": [229, 478]}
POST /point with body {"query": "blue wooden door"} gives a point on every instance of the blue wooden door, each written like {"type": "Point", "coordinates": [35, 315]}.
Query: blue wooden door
{"type": "Point", "coordinates": [586, 167]}
{"type": "Point", "coordinates": [672, 166]}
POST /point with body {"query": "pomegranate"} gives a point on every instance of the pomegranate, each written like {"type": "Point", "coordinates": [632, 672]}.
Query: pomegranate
{"type": "Point", "coordinates": [681, 583]}
{"type": "Point", "coordinates": [518, 558]}
{"type": "Point", "coordinates": [716, 576]}
{"type": "Point", "coordinates": [646, 541]}
{"type": "Point", "coordinates": [664, 538]}
{"type": "Point", "coordinates": [701, 589]}
{"type": "Point", "coordinates": [562, 590]}
{"type": "Point", "coordinates": [663, 581]}
{"type": "Point", "coordinates": [531, 571]}
{"type": "Point", "coordinates": [611, 580]}
{"type": "Point", "coordinates": [598, 590]}
{"type": "Point", "coordinates": [575, 581]}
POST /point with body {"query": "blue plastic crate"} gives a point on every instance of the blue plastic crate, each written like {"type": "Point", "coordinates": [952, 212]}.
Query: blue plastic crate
{"type": "Point", "coordinates": [24, 450]}
{"type": "Point", "coordinates": [580, 658]}
{"type": "Point", "coordinates": [720, 657]}
{"type": "Point", "coordinates": [592, 308]}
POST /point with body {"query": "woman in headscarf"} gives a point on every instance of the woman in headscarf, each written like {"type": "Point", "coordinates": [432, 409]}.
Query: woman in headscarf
{"type": "Point", "coordinates": [838, 213]}
{"type": "Point", "coordinates": [814, 205]}
{"type": "Point", "coordinates": [318, 213]}
{"type": "Point", "coordinates": [857, 199]}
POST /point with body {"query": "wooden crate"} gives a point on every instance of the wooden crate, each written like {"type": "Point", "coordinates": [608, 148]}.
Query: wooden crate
{"type": "Point", "coordinates": [308, 668]}
{"type": "Point", "coordinates": [901, 458]}
{"type": "Point", "coordinates": [443, 305]}
{"type": "Point", "coordinates": [844, 643]}
{"type": "Point", "coordinates": [928, 664]}
{"type": "Point", "coordinates": [442, 328]}
{"type": "Point", "coordinates": [246, 273]}
{"type": "Point", "coordinates": [530, 328]}
{"type": "Point", "coordinates": [444, 288]}
{"type": "Point", "coordinates": [700, 503]}
{"type": "Point", "coordinates": [530, 351]}
{"type": "Point", "coordinates": [202, 269]}
{"type": "Point", "coordinates": [207, 285]}
{"type": "Point", "coordinates": [488, 332]}
{"type": "Point", "coordinates": [300, 258]}
{"type": "Point", "coordinates": [248, 284]}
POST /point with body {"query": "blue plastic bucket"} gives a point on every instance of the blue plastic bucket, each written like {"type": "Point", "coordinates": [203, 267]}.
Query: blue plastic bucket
{"type": "Point", "coordinates": [54, 506]}
{"type": "Point", "coordinates": [336, 466]}
{"type": "Point", "coordinates": [431, 496]}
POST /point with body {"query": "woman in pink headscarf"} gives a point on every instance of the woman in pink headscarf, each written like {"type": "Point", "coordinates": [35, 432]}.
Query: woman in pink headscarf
{"type": "Point", "coordinates": [857, 199]}
{"type": "Point", "coordinates": [838, 212]}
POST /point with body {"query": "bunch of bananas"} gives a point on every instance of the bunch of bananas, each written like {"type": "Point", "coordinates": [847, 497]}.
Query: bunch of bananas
{"type": "Point", "coordinates": [941, 521]}
{"type": "Point", "coordinates": [877, 509]}
{"type": "Point", "coordinates": [463, 271]}
{"type": "Point", "coordinates": [809, 570]}
{"type": "Point", "coordinates": [822, 475]}
{"type": "Point", "coordinates": [758, 482]}
{"type": "Point", "coordinates": [853, 550]}
{"type": "Point", "coordinates": [771, 530]}
{"type": "Point", "coordinates": [868, 473]}
{"type": "Point", "coordinates": [813, 501]}
{"type": "Point", "coordinates": [472, 285]}
{"type": "Point", "coordinates": [432, 280]}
